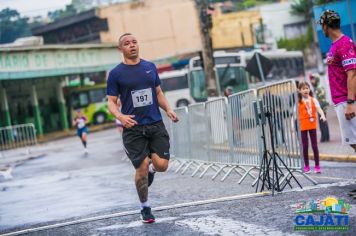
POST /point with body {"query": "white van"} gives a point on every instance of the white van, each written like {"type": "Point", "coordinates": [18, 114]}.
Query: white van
{"type": "Point", "coordinates": [175, 86]}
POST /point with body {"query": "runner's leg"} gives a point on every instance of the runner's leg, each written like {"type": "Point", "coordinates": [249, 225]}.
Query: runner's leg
{"type": "Point", "coordinates": [141, 181]}
{"type": "Point", "coordinates": [84, 139]}
{"type": "Point", "coordinates": [160, 164]}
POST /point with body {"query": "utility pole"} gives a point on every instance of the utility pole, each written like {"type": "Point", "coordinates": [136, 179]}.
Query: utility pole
{"type": "Point", "coordinates": [205, 22]}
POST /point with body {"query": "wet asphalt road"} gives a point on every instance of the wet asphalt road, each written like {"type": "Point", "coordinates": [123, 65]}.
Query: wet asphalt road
{"type": "Point", "coordinates": [67, 185]}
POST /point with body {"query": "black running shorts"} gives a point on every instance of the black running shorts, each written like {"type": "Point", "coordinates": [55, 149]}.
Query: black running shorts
{"type": "Point", "coordinates": [142, 140]}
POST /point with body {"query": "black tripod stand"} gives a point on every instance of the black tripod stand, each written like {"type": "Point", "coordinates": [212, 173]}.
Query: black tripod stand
{"type": "Point", "coordinates": [269, 159]}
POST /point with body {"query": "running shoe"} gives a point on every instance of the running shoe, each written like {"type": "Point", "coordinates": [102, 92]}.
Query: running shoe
{"type": "Point", "coordinates": [151, 176]}
{"type": "Point", "coordinates": [317, 169]}
{"type": "Point", "coordinates": [306, 169]}
{"type": "Point", "coordinates": [146, 215]}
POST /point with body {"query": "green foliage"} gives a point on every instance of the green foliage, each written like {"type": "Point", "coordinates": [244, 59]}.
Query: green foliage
{"type": "Point", "coordinates": [58, 14]}
{"type": "Point", "coordinates": [304, 7]}
{"type": "Point", "coordinates": [299, 43]}
{"type": "Point", "coordinates": [12, 26]}
{"type": "Point", "coordinates": [322, 2]}
{"type": "Point", "coordinates": [300, 7]}
{"type": "Point", "coordinates": [249, 3]}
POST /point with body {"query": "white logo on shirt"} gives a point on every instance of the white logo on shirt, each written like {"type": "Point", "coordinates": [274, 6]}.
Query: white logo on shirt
{"type": "Point", "coordinates": [148, 71]}
{"type": "Point", "coordinates": [350, 61]}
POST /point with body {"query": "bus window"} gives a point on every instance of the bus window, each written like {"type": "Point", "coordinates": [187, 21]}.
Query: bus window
{"type": "Point", "coordinates": [174, 83]}
{"type": "Point", "coordinates": [197, 86]}
{"type": "Point", "coordinates": [234, 77]}
{"type": "Point", "coordinates": [80, 100]}
{"type": "Point", "coordinates": [97, 95]}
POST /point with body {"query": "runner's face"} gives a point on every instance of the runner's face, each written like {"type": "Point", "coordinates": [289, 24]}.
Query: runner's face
{"type": "Point", "coordinates": [129, 47]}
{"type": "Point", "coordinates": [305, 91]}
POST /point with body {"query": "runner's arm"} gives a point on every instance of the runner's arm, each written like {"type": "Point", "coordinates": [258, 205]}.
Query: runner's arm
{"type": "Point", "coordinates": [86, 121]}
{"type": "Point", "coordinates": [351, 93]}
{"type": "Point", "coordinates": [74, 122]}
{"type": "Point", "coordinates": [112, 105]}
{"type": "Point", "coordinates": [163, 103]}
{"type": "Point", "coordinates": [351, 84]}
{"type": "Point", "coordinates": [126, 120]}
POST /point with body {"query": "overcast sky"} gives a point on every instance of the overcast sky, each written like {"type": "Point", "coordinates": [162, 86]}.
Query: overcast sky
{"type": "Point", "coordinates": [34, 7]}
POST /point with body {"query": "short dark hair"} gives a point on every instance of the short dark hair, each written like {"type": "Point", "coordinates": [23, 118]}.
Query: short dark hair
{"type": "Point", "coordinates": [334, 25]}
{"type": "Point", "coordinates": [123, 35]}
{"type": "Point", "coordinates": [330, 18]}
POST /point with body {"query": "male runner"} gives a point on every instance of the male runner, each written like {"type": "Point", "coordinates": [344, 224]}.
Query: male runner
{"type": "Point", "coordinates": [145, 137]}
{"type": "Point", "coordinates": [341, 60]}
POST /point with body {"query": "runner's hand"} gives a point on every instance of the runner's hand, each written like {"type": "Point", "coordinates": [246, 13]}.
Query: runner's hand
{"type": "Point", "coordinates": [128, 121]}
{"type": "Point", "coordinates": [323, 118]}
{"type": "Point", "coordinates": [172, 115]}
{"type": "Point", "coordinates": [350, 111]}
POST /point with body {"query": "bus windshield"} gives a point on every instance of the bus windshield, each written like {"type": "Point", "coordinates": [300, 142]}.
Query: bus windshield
{"type": "Point", "coordinates": [229, 73]}
{"type": "Point", "coordinates": [197, 85]}
{"type": "Point", "coordinates": [234, 77]}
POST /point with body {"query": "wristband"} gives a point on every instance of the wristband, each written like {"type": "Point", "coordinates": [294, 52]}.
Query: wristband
{"type": "Point", "coordinates": [350, 101]}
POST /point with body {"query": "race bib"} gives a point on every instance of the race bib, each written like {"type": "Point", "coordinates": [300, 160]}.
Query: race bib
{"type": "Point", "coordinates": [141, 98]}
{"type": "Point", "coordinates": [81, 123]}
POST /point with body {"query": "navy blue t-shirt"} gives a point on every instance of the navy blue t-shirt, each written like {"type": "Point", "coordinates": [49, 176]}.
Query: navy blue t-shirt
{"type": "Point", "coordinates": [135, 85]}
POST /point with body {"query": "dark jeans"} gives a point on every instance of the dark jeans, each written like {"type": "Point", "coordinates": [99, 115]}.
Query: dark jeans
{"type": "Point", "coordinates": [324, 130]}
{"type": "Point", "coordinates": [314, 143]}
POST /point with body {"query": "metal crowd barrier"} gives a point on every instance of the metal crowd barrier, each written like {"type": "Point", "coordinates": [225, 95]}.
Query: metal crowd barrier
{"type": "Point", "coordinates": [223, 133]}
{"type": "Point", "coordinates": [244, 137]}
{"type": "Point", "coordinates": [198, 137]}
{"type": "Point", "coordinates": [17, 136]}
{"type": "Point", "coordinates": [181, 144]}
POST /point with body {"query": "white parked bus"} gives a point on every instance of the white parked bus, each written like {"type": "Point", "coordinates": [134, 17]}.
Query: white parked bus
{"type": "Point", "coordinates": [230, 71]}
{"type": "Point", "coordinates": [175, 86]}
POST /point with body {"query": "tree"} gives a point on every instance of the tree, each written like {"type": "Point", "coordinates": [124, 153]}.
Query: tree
{"type": "Point", "coordinates": [301, 7]}
{"type": "Point", "coordinates": [12, 26]}
{"type": "Point", "coordinates": [58, 14]}
{"type": "Point", "coordinates": [304, 7]}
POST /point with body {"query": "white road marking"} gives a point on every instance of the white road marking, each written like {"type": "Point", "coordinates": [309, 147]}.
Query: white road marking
{"type": "Point", "coordinates": [134, 224]}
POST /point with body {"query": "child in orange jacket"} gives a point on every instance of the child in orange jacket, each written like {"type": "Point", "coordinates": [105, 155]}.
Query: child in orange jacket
{"type": "Point", "coordinates": [308, 108]}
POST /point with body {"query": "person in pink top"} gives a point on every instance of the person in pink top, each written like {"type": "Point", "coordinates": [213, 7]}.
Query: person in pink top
{"type": "Point", "coordinates": [341, 60]}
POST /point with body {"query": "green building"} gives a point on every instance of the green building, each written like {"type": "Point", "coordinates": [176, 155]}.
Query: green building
{"type": "Point", "coordinates": [33, 81]}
